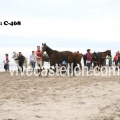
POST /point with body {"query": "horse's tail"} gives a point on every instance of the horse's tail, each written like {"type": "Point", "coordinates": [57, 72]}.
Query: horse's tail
{"type": "Point", "coordinates": [82, 56]}
{"type": "Point", "coordinates": [84, 60]}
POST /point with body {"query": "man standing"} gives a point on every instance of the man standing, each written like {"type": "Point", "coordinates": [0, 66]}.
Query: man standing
{"type": "Point", "coordinates": [110, 61]}
{"type": "Point", "coordinates": [116, 60]}
{"type": "Point", "coordinates": [21, 60]}
{"type": "Point", "coordinates": [39, 58]}
{"type": "Point", "coordinates": [33, 60]}
{"type": "Point", "coordinates": [119, 59]}
{"type": "Point", "coordinates": [88, 59]}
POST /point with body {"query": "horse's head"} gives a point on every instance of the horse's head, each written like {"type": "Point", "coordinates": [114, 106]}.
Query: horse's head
{"type": "Point", "coordinates": [14, 55]}
{"type": "Point", "coordinates": [44, 47]}
{"type": "Point", "coordinates": [47, 49]}
{"type": "Point", "coordinates": [94, 56]}
{"type": "Point", "coordinates": [109, 52]}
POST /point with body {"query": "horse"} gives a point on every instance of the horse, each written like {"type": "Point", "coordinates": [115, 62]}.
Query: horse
{"type": "Point", "coordinates": [15, 56]}
{"type": "Point", "coordinates": [57, 57]}
{"type": "Point", "coordinates": [99, 57]}
{"type": "Point", "coordinates": [78, 56]}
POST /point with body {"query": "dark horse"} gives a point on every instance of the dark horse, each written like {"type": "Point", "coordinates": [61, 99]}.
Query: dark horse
{"type": "Point", "coordinates": [57, 57]}
{"type": "Point", "coordinates": [45, 58]}
{"type": "Point", "coordinates": [99, 57]}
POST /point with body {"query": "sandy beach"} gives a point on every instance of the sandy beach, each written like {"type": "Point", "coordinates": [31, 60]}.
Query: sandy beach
{"type": "Point", "coordinates": [59, 98]}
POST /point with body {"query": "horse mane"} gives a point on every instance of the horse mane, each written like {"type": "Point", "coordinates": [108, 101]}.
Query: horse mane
{"type": "Point", "coordinates": [106, 51]}
{"type": "Point", "coordinates": [50, 50]}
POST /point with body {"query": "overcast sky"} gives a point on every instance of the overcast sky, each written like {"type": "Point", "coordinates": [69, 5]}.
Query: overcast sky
{"type": "Point", "coordinates": [62, 24]}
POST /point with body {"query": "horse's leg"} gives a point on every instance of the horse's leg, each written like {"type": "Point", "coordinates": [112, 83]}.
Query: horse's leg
{"type": "Point", "coordinates": [100, 64]}
{"type": "Point", "coordinates": [84, 60]}
{"type": "Point", "coordinates": [48, 71]}
{"type": "Point", "coordinates": [40, 70]}
{"type": "Point", "coordinates": [43, 64]}
{"type": "Point", "coordinates": [17, 66]}
{"type": "Point", "coordinates": [71, 69]}
{"type": "Point", "coordinates": [80, 65]}
{"type": "Point", "coordinates": [54, 68]}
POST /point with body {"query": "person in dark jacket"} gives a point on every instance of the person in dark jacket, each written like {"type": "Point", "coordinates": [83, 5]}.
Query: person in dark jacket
{"type": "Point", "coordinates": [21, 60]}
{"type": "Point", "coordinates": [88, 59]}
{"type": "Point", "coordinates": [119, 59]}
{"type": "Point", "coordinates": [74, 66]}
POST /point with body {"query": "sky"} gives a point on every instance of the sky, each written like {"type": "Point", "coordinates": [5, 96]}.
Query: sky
{"type": "Point", "coordinates": [73, 25]}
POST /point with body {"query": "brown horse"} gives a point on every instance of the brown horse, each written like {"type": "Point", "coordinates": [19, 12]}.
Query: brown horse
{"type": "Point", "coordinates": [78, 56]}
{"type": "Point", "coordinates": [57, 57]}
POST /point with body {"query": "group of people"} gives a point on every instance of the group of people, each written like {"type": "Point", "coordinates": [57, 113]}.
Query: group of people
{"type": "Point", "coordinates": [36, 58]}
{"type": "Point", "coordinates": [116, 60]}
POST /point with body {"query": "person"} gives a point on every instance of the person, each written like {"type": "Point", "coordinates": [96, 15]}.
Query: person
{"type": "Point", "coordinates": [6, 63]}
{"type": "Point", "coordinates": [110, 61]}
{"type": "Point", "coordinates": [116, 60]}
{"type": "Point", "coordinates": [74, 66]}
{"type": "Point", "coordinates": [64, 63]}
{"type": "Point", "coordinates": [39, 58]}
{"type": "Point", "coordinates": [119, 59]}
{"type": "Point", "coordinates": [65, 66]}
{"type": "Point", "coordinates": [104, 63]}
{"type": "Point", "coordinates": [88, 59]}
{"type": "Point", "coordinates": [33, 60]}
{"type": "Point", "coordinates": [21, 60]}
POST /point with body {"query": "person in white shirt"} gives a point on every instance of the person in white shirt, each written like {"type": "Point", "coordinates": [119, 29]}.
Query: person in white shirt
{"type": "Point", "coordinates": [33, 60]}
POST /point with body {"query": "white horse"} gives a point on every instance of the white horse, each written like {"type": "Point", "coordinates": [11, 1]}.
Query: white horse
{"type": "Point", "coordinates": [15, 56]}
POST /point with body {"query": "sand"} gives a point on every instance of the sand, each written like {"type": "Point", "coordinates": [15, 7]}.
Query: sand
{"type": "Point", "coordinates": [59, 98]}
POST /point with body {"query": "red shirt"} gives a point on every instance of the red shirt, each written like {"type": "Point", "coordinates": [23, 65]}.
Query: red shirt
{"type": "Point", "coordinates": [116, 58]}
{"type": "Point", "coordinates": [38, 54]}
{"type": "Point", "coordinates": [7, 59]}
{"type": "Point", "coordinates": [89, 57]}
